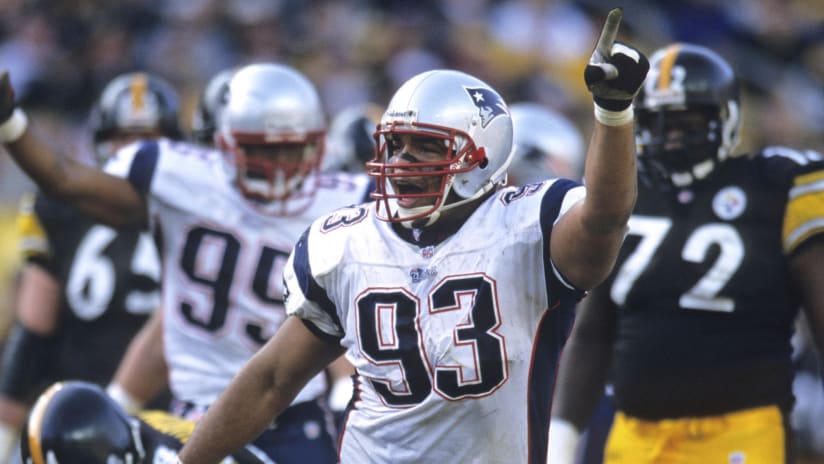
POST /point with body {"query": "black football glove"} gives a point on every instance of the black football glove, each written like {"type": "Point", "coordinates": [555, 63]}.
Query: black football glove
{"type": "Point", "coordinates": [615, 71]}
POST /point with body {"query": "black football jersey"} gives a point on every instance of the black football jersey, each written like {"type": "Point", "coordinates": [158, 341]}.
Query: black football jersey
{"type": "Point", "coordinates": [704, 298]}
{"type": "Point", "coordinates": [109, 281]}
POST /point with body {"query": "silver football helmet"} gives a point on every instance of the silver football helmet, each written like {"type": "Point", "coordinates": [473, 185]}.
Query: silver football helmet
{"type": "Point", "coordinates": [465, 114]}
{"type": "Point", "coordinates": [273, 127]}
{"type": "Point", "coordinates": [547, 145]}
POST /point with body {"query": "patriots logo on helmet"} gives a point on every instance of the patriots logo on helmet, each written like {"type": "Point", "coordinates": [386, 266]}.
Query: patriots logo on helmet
{"type": "Point", "coordinates": [488, 102]}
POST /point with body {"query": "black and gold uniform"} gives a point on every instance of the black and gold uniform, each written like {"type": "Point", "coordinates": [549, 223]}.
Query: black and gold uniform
{"type": "Point", "coordinates": [76, 422]}
{"type": "Point", "coordinates": [693, 326]}
{"type": "Point", "coordinates": [706, 303]}
{"type": "Point", "coordinates": [109, 281]}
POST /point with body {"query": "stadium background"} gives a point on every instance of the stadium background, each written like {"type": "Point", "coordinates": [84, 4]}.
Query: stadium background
{"type": "Point", "coordinates": [61, 53]}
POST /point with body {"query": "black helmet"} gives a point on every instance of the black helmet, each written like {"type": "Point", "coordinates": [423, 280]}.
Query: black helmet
{"type": "Point", "coordinates": [133, 103]}
{"type": "Point", "coordinates": [213, 97]}
{"type": "Point", "coordinates": [687, 115]}
{"type": "Point", "coordinates": [76, 422]}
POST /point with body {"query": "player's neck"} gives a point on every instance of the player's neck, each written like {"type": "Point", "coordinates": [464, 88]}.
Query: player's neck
{"type": "Point", "coordinates": [446, 226]}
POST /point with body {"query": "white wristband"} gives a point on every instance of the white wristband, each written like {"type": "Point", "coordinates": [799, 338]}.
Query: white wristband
{"type": "Point", "coordinates": [563, 442]}
{"type": "Point", "coordinates": [614, 118]}
{"type": "Point", "coordinates": [9, 437]}
{"type": "Point", "coordinates": [13, 128]}
{"type": "Point", "coordinates": [123, 398]}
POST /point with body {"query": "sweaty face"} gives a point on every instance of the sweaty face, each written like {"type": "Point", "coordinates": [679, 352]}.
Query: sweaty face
{"type": "Point", "coordinates": [416, 161]}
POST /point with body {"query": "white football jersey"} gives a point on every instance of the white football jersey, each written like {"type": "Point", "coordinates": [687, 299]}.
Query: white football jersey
{"type": "Point", "coordinates": [456, 344]}
{"type": "Point", "coordinates": [223, 260]}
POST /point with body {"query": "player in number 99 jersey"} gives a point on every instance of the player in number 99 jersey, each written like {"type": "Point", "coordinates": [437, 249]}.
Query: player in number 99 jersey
{"type": "Point", "coordinates": [721, 253]}
{"type": "Point", "coordinates": [85, 288]}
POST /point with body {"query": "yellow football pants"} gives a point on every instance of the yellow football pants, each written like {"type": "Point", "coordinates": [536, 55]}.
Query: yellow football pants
{"type": "Point", "coordinates": [751, 436]}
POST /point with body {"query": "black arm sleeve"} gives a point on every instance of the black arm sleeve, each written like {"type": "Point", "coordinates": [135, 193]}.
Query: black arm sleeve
{"type": "Point", "coordinates": [25, 363]}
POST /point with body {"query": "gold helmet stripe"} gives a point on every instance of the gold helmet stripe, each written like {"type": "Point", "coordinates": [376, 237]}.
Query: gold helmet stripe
{"type": "Point", "coordinates": [665, 70]}
{"type": "Point", "coordinates": [138, 86]}
{"type": "Point", "coordinates": [36, 423]}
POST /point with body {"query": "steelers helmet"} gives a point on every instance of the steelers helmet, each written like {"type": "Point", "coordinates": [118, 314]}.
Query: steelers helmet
{"type": "Point", "coordinates": [76, 422]}
{"type": "Point", "coordinates": [688, 116]}
{"type": "Point", "coordinates": [134, 103]}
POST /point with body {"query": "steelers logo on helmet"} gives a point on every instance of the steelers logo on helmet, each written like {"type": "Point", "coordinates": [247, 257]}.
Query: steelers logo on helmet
{"type": "Point", "coordinates": [688, 116]}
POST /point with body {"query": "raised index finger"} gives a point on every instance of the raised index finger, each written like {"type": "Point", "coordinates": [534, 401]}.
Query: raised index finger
{"type": "Point", "coordinates": [609, 32]}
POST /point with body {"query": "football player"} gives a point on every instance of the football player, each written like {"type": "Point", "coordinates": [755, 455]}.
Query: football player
{"type": "Point", "coordinates": [85, 288]}
{"type": "Point", "coordinates": [226, 220]}
{"type": "Point", "coordinates": [446, 294]}
{"type": "Point", "coordinates": [76, 422]}
{"type": "Point", "coordinates": [547, 144]}
{"type": "Point", "coordinates": [694, 324]}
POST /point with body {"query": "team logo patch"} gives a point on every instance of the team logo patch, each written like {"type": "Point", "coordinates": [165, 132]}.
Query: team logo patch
{"type": "Point", "coordinates": [729, 203]}
{"type": "Point", "coordinates": [418, 274]}
{"type": "Point", "coordinates": [488, 102]}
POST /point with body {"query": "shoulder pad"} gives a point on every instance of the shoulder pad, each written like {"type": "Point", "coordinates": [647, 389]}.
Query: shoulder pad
{"type": "Point", "coordinates": [781, 165]}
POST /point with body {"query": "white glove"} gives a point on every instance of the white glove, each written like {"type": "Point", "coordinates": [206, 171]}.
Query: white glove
{"type": "Point", "coordinates": [563, 442]}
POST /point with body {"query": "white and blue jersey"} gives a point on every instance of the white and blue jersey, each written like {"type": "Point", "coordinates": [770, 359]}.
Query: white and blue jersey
{"type": "Point", "coordinates": [222, 258]}
{"type": "Point", "coordinates": [456, 345]}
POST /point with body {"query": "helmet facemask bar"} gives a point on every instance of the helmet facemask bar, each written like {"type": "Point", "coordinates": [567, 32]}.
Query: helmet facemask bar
{"type": "Point", "coordinates": [285, 183]}
{"type": "Point", "coordinates": [668, 160]}
{"type": "Point", "coordinates": [461, 156]}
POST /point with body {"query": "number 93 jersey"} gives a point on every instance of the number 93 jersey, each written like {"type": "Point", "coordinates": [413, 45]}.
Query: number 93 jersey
{"type": "Point", "coordinates": [703, 291]}
{"type": "Point", "coordinates": [455, 344]}
{"type": "Point", "coordinates": [222, 258]}
{"type": "Point", "coordinates": [109, 283]}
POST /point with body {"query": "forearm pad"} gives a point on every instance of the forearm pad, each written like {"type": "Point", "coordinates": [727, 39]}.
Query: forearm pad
{"type": "Point", "coordinates": [25, 363]}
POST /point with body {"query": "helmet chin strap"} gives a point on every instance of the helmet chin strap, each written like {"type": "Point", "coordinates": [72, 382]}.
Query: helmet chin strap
{"type": "Point", "coordinates": [427, 221]}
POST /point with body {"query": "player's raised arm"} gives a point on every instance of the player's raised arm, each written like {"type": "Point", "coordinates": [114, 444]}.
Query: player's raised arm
{"type": "Point", "coordinates": [586, 240]}
{"type": "Point", "coordinates": [107, 198]}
